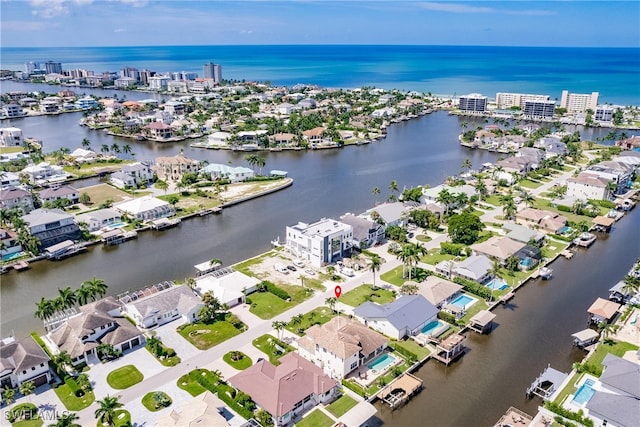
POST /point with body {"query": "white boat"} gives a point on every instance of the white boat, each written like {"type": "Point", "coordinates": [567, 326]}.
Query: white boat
{"type": "Point", "coordinates": [546, 273]}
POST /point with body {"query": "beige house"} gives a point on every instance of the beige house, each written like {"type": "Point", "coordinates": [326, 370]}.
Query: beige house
{"type": "Point", "coordinates": [202, 410]}
{"type": "Point", "coordinates": [603, 310]}
{"type": "Point", "coordinates": [549, 221]}
{"type": "Point", "coordinates": [172, 168]}
{"type": "Point", "coordinates": [439, 292]}
{"type": "Point", "coordinates": [499, 248]}
{"type": "Point", "coordinates": [314, 136]}
{"type": "Point", "coordinates": [340, 346]}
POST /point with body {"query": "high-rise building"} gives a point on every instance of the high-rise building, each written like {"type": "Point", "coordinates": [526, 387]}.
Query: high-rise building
{"type": "Point", "coordinates": [212, 71]}
{"type": "Point", "coordinates": [579, 102]}
{"type": "Point", "coordinates": [131, 73]}
{"type": "Point", "coordinates": [473, 103]}
{"type": "Point", "coordinates": [31, 66]}
{"type": "Point", "coordinates": [508, 100]}
{"type": "Point", "coordinates": [53, 67]}
{"type": "Point", "coordinates": [539, 109]}
{"type": "Point", "coordinates": [604, 113]}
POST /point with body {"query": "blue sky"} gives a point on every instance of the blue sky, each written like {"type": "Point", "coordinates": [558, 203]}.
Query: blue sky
{"type": "Point", "coordinates": [41, 23]}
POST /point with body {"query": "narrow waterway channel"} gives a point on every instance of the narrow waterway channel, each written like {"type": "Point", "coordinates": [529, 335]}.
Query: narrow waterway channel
{"type": "Point", "coordinates": [533, 330]}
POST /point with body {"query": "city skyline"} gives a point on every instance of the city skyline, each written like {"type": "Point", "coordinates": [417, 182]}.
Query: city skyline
{"type": "Point", "coordinates": [43, 23]}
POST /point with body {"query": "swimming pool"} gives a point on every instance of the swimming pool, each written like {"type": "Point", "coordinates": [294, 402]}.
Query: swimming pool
{"type": "Point", "coordinates": [565, 229]}
{"type": "Point", "coordinates": [431, 326]}
{"type": "Point", "coordinates": [381, 362]}
{"type": "Point", "coordinates": [527, 262]}
{"type": "Point", "coordinates": [497, 284]}
{"type": "Point", "coordinates": [464, 301]}
{"type": "Point", "coordinates": [9, 257]}
{"type": "Point", "coordinates": [584, 393]}
{"type": "Point", "coordinates": [116, 225]}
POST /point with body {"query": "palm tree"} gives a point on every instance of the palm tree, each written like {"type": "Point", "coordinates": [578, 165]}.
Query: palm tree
{"type": "Point", "coordinates": [278, 326]}
{"type": "Point", "coordinates": [66, 420]}
{"type": "Point", "coordinates": [86, 143]}
{"type": "Point", "coordinates": [126, 149]}
{"type": "Point", "coordinates": [606, 329]}
{"type": "Point", "coordinates": [97, 286]}
{"type": "Point", "coordinates": [376, 262]}
{"type": "Point", "coordinates": [375, 192]}
{"type": "Point", "coordinates": [83, 294]}
{"type": "Point", "coordinates": [393, 186]}
{"type": "Point", "coordinates": [466, 164]}
{"type": "Point", "coordinates": [252, 159]}
{"type": "Point", "coordinates": [104, 148]}
{"type": "Point", "coordinates": [612, 187]}
{"type": "Point", "coordinates": [331, 302]}
{"type": "Point", "coordinates": [260, 162]}
{"type": "Point", "coordinates": [190, 282]}
{"type": "Point", "coordinates": [115, 148]}
{"type": "Point", "coordinates": [481, 188]}
{"type": "Point", "coordinates": [63, 359]}
{"type": "Point", "coordinates": [215, 261]}
{"type": "Point", "coordinates": [528, 198]}
{"type": "Point", "coordinates": [9, 395]}
{"type": "Point", "coordinates": [107, 410]}
{"type": "Point", "coordinates": [405, 255]}
{"type": "Point", "coordinates": [162, 185]}
{"type": "Point", "coordinates": [297, 319]}
{"type": "Point", "coordinates": [26, 388]}
{"type": "Point", "coordinates": [445, 198]}
{"type": "Point", "coordinates": [68, 297]}
{"type": "Point", "coordinates": [45, 309]}
{"type": "Point", "coordinates": [630, 285]}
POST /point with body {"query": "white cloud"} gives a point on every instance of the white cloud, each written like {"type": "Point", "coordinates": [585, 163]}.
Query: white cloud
{"type": "Point", "coordinates": [28, 25]}
{"type": "Point", "coordinates": [48, 8]}
{"type": "Point", "coordinates": [134, 3]}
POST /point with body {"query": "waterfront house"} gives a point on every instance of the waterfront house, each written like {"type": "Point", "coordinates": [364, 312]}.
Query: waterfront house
{"type": "Point", "coordinates": [140, 171]}
{"type": "Point", "coordinates": [523, 234]}
{"type": "Point", "coordinates": [366, 233]}
{"type": "Point", "coordinates": [340, 346]}
{"type": "Point", "coordinates": [43, 172]}
{"type": "Point", "coordinates": [146, 208]}
{"type": "Point", "coordinates": [394, 213]}
{"type": "Point", "coordinates": [403, 317]}
{"type": "Point", "coordinates": [11, 137]}
{"type": "Point", "coordinates": [100, 218]}
{"type": "Point", "coordinates": [22, 361]}
{"type": "Point", "coordinates": [172, 168]}
{"type": "Point", "coordinates": [176, 302]}
{"type": "Point", "coordinates": [603, 310]}
{"type": "Point", "coordinates": [202, 410]}
{"type": "Point", "coordinates": [174, 107]}
{"type": "Point", "coordinates": [588, 186]}
{"type": "Point", "coordinates": [548, 221]}
{"type": "Point", "coordinates": [289, 390]}
{"type": "Point", "coordinates": [621, 173]}
{"type": "Point", "coordinates": [82, 155]}
{"type": "Point", "coordinates": [322, 242]}
{"type": "Point", "coordinates": [553, 146]}
{"type": "Point", "coordinates": [314, 136]}
{"type": "Point", "coordinates": [9, 243]}
{"type": "Point", "coordinates": [219, 171]}
{"type": "Point", "coordinates": [439, 292]}
{"type": "Point", "coordinates": [227, 285]}
{"type": "Point", "coordinates": [285, 139]}
{"type": "Point", "coordinates": [476, 268]}
{"type": "Point", "coordinates": [52, 194]}
{"type": "Point", "coordinates": [13, 110]}
{"type": "Point", "coordinates": [218, 139]}
{"type": "Point", "coordinates": [18, 198]}
{"type": "Point", "coordinates": [99, 322]}
{"type": "Point", "coordinates": [158, 131]}
{"type": "Point", "coordinates": [122, 180]}
{"type": "Point", "coordinates": [51, 226]}
{"type": "Point", "coordinates": [432, 194]}
{"type": "Point", "coordinates": [616, 398]}
{"type": "Point", "coordinates": [631, 143]}
{"type": "Point", "coordinates": [498, 248]}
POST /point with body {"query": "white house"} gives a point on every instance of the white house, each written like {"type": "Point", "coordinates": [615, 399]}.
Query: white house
{"type": "Point", "coordinates": [340, 346]}
{"type": "Point", "coordinates": [322, 242]}
{"type": "Point", "coordinates": [122, 180]}
{"type": "Point", "coordinates": [475, 267]}
{"type": "Point", "coordinates": [43, 172]}
{"type": "Point", "coordinates": [51, 226]}
{"type": "Point", "coordinates": [233, 174]}
{"type": "Point", "coordinates": [366, 232]}
{"type": "Point", "coordinates": [133, 175]}
{"type": "Point", "coordinates": [13, 197]}
{"type": "Point", "coordinates": [403, 317]}
{"type": "Point", "coordinates": [228, 286]}
{"type": "Point", "coordinates": [219, 139]}
{"type": "Point", "coordinates": [99, 219]}
{"type": "Point", "coordinates": [146, 208]}
{"type": "Point", "coordinates": [22, 361]}
{"type": "Point", "coordinates": [11, 137]}
{"type": "Point", "coordinates": [82, 155]}
{"type": "Point", "coordinates": [165, 306]}
{"type": "Point", "coordinates": [588, 186]}
{"type": "Point", "coordinates": [9, 179]}
{"type": "Point", "coordinates": [51, 194]}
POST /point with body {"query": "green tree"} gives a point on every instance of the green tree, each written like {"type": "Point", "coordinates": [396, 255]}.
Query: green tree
{"type": "Point", "coordinates": [107, 410]}
{"type": "Point", "coordinates": [26, 388]}
{"type": "Point", "coordinates": [85, 199]}
{"type": "Point", "coordinates": [162, 185]}
{"type": "Point", "coordinates": [376, 193]}
{"type": "Point", "coordinates": [464, 228]}
{"type": "Point", "coordinates": [44, 309]}
{"type": "Point", "coordinates": [9, 395]}
{"type": "Point", "coordinates": [331, 302]}
{"type": "Point", "coordinates": [98, 287]}
{"type": "Point", "coordinates": [86, 143]}
{"type": "Point", "coordinates": [466, 164]}
{"type": "Point", "coordinates": [278, 326]}
{"type": "Point", "coordinates": [68, 297]}
{"type": "Point", "coordinates": [374, 266]}
{"type": "Point", "coordinates": [66, 419]}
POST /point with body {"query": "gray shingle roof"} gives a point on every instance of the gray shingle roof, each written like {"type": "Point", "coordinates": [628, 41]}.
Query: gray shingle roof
{"type": "Point", "coordinates": [22, 355]}
{"type": "Point", "coordinates": [621, 374]}
{"type": "Point", "coordinates": [180, 297]}
{"type": "Point", "coordinates": [45, 216]}
{"type": "Point", "coordinates": [616, 409]}
{"type": "Point", "coordinates": [408, 311]}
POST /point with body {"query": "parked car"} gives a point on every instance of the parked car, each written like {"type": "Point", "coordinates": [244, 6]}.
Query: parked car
{"type": "Point", "coordinates": [310, 271]}
{"type": "Point", "coordinates": [292, 268]}
{"type": "Point", "coordinates": [281, 268]}
{"type": "Point", "coordinates": [298, 263]}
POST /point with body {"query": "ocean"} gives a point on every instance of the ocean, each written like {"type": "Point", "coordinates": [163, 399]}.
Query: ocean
{"type": "Point", "coordinates": [441, 70]}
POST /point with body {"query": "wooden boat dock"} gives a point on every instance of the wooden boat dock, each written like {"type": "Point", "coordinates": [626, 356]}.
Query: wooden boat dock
{"type": "Point", "coordinates": [21, 266]}
{"type": "Point", "coordinates": [584, 240]}
{"type": "Point", "coordinates": [450, 348]}
{"type": "Point", "coordinates": [115, 237]}
{"type": "Point", "coordinates": [514, 417]}
{"type": "Point", "coordinates": [506, 297]}
{"type": "Point", "coordinates": [164, 223]}
{"type": "Point", "coordinates": [401, 390]}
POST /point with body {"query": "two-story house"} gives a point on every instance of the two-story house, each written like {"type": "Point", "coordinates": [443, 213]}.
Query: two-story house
{"type": "Point", "coordinates": [22, 361]}
{"type": "Point", "coordinates": [322, 242]}
{"type": "Point", "coordinates": [51, 226]}
{"type": "Point", "coordinates": [13, 197]}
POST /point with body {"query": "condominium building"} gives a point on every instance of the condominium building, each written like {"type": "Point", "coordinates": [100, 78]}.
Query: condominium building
{"type": "Point", "coordinates": [212, 71]}
{"type": "Point", "coordinates": [53, 67]}
{"type": "Point", "coordinates": [604, 113]}
{"type": "Point", "coordinates": [539, 109]}
{"type": "Point", "coordinates": [579, 102]}
{"type": "Point", "coordinates": [322, 242]}
{"type": "Point", "coordinates": [473, 103]}
{"type": "Point", "coordinates": [508, 100]}
{"type": "Point", "coordinates": [158, 82]}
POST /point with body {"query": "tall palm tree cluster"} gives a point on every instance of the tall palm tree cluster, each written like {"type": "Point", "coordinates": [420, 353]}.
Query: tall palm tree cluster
{"type": "Point", "coordinates": [255, 160]}
{"type": "Point", "coordinates": [13, 216]}
{"type": "Point", "coordinates": [89, 290]}
{"type": "Point", "coordinates": [410, 256]}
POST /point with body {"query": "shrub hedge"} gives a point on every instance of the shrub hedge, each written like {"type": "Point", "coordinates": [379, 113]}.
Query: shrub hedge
{"type": "Point", "coordinates": [474, 288]}
{"type": "Point", "coordinates": [280, 293]}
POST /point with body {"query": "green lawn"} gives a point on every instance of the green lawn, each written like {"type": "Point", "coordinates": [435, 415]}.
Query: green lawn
{"type": "Point", "coordinates": [493, 200]}
{"type": "Point", "coordinates": [266, 305]}
{"type": "Point", "coordinates": [204, 336]}
{"type": "Point", "coordinates": [434, 256]}
{"type": "Point", "coordinates": [102, 192]}
{"type": "Point", "coordinates": [617, 348]}
{"type": "Point", "coordinates": [568, 389]}
{"type": "Point", "coordinates": [319, 315]}
{"type": "Point", "coordinates": [10, 150]}
{"type": "Point", "coordinates": [267, 344]}
{"type": "Point", "coordinates": [364, 293]}
{"type": "Point", "coordinates": [28, 423]}
{"type": "Point", "coordinates": [189, 385]}
{"type": "Point", "coordinates": [423, 238]}
{"type": "Point", "coordinates": [394, 276]}
{"type": "Point", "coordinates": [70, 401]}
{"type": "Point", "coordinates": [241, 364]}
{"type": "Point", "coordinates": [413, 347]}
{"type": "Point", "coordinates": [527, 183]}
{"type": "Point", "coordinates": [341, 406]}
{"type": "Point", "coordinates": [149, 402]}
{"type": "Point", "coordinates": [124, 377]}
{"type": "Point", "coordinates": [316, 418]}
{"type": "Point", "coordinates": [552, 248]}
